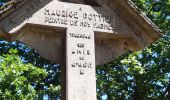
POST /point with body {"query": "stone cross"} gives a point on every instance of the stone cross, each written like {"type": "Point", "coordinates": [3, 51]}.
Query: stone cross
{"type": "Point", "coordinates": [84, 25]}
{"type": "Point", "coordinates": [80, 22]}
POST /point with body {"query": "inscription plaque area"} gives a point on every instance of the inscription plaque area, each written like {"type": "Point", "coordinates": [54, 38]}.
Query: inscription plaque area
{"type": "Point", "coordinates": [68, 14]}
{"type": "Point", "coordinates": [80, 64]}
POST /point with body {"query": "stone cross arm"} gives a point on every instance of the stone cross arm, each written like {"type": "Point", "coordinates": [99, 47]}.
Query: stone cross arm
{"type": "Point", "coordinates": [113, 20]}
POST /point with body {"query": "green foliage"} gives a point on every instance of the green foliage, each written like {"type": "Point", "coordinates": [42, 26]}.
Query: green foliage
{"type": "Point", "coordinates": [142, 75]}
{"type": "Point", "coordinates": [4, 0]}
{"type": "Point", "coordinates": [157, 10]}
{"type": "Point", "coordinates": [50, 85]}
{"type": "Point", "coordinates": [18, 80]}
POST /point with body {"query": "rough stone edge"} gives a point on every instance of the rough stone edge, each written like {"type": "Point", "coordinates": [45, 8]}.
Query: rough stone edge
{"type": "Point", "coordinates": [154, 29]}
{"type": "Point", "coordinates": [10, 7]}
{"type": "Point", "coordinates": [6, 10]}
{"type": "Point", "coordinates": [142, 15]}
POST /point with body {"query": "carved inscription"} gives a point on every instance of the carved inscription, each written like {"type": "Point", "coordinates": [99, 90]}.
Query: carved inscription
{"type": "Point", "coordinates": [81, 52]}
{"type": "Point", "coordinates": [78, 18]}
{"type": "Point", "coordinates": [82, 36]}
{"type": "Point", "coordinates": [80, 63]}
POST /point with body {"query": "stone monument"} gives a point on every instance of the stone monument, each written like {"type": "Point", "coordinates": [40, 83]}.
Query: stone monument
{"type": "Point", "coordinates": [79, 34]}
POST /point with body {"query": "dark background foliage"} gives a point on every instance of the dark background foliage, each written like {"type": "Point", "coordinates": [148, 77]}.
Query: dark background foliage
{"type": "Point", "coordinates": [145, 74]}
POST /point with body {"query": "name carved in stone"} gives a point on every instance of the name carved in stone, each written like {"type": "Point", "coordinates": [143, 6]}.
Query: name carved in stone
{"type": "Point", "coordinates": [78, 18]}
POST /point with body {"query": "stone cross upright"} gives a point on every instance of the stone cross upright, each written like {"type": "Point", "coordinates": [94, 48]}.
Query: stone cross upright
{"type": "Point", "coordinates": [80, 64]}
{"type": "Point", "coordinates": [84, 25]}
{"type": "Point", "coordinates": [80, 22]}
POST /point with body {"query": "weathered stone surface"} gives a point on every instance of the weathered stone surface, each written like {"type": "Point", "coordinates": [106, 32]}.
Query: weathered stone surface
{"type": "Point", "coordinates": [64, 15]}
{"type": "Point", "coordinates": [145, 30]}
{"type": "Point", "coordinates": [49, 42]}
{"type": "Point", "coordinates": [80, 64]}
{"type": "Point", "coordinates": [45, 13]}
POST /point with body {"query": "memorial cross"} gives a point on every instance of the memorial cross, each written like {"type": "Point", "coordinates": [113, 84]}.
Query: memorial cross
{"type": "Point", "coordinates": [82, 23]}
